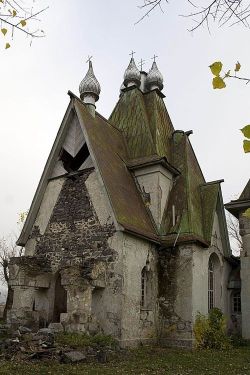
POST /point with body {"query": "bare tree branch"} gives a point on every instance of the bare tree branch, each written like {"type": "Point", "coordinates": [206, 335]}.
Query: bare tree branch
{"type": "Point", "coordinates": [234, 234]}
{"type": "Point", "coordinates": [222, 12]}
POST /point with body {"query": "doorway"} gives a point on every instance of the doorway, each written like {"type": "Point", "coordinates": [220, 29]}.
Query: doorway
{"type": "Point", "coordinates": [60, 299]}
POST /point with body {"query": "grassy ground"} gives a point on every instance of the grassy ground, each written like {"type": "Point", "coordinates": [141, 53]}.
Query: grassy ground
{"type": "Point", "coordinates": [148, 361]}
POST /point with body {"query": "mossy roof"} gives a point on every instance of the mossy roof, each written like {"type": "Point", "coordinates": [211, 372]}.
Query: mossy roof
{"type": "Point", "coordinates": [140, 128]}
{"type": "Point", "coordinates": [147, 129]}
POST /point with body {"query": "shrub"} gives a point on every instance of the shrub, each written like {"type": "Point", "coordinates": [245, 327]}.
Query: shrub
{"type": "Point", "coordinates": [210, 331]}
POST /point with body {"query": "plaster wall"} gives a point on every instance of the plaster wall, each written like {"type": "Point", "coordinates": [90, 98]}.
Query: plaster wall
{"type": "Point", "coordinates": [156, 181]}
{"type": "Point", "coordinates": [201, 258]}
{"type": "Point", "coordinates": [138, 324]}
{"type": "Point", "coordinates": [48, 203]}
{"type": "Point", "coordinates": [245, 275]}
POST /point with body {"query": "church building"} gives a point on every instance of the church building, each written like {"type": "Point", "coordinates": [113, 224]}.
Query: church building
{"type": "Point", "coordinates": [124, 235]}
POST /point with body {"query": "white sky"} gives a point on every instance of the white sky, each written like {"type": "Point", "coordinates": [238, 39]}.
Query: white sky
{"type": "Point", "coordinates": [35, 80]}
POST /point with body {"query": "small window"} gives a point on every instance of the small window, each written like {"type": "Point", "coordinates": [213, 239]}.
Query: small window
{"type": "Point", "coordinates": [236, 303]}
{"type": "Point", "coordinates": [210, 285]}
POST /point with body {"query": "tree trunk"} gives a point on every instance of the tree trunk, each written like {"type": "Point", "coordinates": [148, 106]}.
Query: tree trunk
{"type": "Point", "coordinates": [9, 302]}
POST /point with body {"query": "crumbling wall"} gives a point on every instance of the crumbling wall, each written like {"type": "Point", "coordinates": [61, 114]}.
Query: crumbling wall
{"type": "Point", "coordinates": [75, 239]}
{"type": "Point", "coordinates": [175, 295]}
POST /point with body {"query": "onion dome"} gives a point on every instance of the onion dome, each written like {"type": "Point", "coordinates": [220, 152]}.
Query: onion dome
{"type": "Point", "coordinates": [89, 85]}
{"type": "Point", "coordinates": [154, 78]}
{"type": "Point", "coordinates": [132, 74]}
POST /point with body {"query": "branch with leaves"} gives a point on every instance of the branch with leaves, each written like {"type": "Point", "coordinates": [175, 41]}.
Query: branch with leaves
{"type": "Point", "coordinates": [17, 17]}
{"type": "Point", "coordinates": [219, 83]}
{"type": "Point", "coordinates": [202, 12]}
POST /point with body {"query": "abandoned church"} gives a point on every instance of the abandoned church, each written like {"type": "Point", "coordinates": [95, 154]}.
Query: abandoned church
{"type": "Point", "coordinates": [124, 235]}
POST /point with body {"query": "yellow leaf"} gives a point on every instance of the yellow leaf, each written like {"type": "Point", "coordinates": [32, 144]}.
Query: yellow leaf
{"type": "Point", "coordinates": [218, 83]}
{"type": "Point", "coordinates": [216, 68]}
{"type": "Point", "coordinates": [247, 213]}
{"type": "Point", "coordinates": [14, 13]}
{"type": "Point", "coordinates": [246, 145]}
{"type": "Point", "coordinates": [7, 45]}
{"type": "Point", "coordinates": [237, 66]}
{"type": "Point", "coordinates": [4, 31]}
{"type": "Point", "coordinates": [23, 23]}
{"type": "Point", "coordinates": [246, 131]}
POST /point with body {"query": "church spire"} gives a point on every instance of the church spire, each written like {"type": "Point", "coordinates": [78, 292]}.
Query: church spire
{"type": "Point", "coordinates": [89, 87]}
{"type": "Point", "coordinates": [132, 75]}
{"type": "Point", "coordinates": [154, 77]}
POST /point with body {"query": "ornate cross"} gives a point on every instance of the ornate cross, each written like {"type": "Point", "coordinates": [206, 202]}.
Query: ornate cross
{"type": "Point", "coordinates": [141, 63]}
{"type": "Point", "coordinates": [89, 59]}
{"type": "Point", "coordinates": [132, 54]}
{"type": "Point", "coordinates": [154, 57]}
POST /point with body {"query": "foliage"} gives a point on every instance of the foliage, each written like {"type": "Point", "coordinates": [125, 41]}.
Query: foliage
{"type": "Point", "coordinates": [210, 332]}
{"type": "Point", "coordinates": [219, 83]}
{"type": "Point", "coordinates": [246, 142]}
{"type": "Point", "coordinates": [247, 213]}
{"type": "Point", "coordinates": [81, 340]}
{"type": "Point", "coordinates": [18, 16]}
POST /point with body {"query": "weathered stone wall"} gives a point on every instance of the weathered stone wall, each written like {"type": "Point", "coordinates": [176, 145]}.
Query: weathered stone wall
{"type": "Point", "coordinates": [74, 234]}
{"type": "Point", "coordinates": [175, 295]}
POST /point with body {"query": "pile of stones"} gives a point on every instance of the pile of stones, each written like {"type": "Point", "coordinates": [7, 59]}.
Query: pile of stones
{"type": "Point", "coordinates": [23, 344]}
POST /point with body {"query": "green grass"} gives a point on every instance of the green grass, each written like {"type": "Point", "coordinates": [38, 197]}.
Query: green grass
{"type": "Point", "coordinates": [148, 361]}
{"type": "Point", "coordinates": [76, 340]}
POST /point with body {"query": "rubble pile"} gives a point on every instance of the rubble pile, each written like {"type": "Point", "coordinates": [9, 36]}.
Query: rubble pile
{"type": "Point", "coordinates": [23, 344]}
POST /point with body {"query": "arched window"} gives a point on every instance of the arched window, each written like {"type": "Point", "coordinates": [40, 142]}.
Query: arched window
{"type": "Point", "coordinates": [214, 282]}
{"type": "Point", "coordinates": [211, 283]}
{"type": "Point", "coordinates": [146, 289]}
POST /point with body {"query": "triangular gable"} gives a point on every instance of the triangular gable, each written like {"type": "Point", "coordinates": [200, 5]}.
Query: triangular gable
{"type": "Point", "coordinates": [109, 153]}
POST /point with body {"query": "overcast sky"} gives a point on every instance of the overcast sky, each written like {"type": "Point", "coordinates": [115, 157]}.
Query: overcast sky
{"type": "Point", "coordinates": [35, 80]}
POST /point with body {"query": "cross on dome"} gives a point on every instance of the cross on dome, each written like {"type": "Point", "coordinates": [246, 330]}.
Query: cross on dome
{"type": "Point", "coordinates": [141, 63]}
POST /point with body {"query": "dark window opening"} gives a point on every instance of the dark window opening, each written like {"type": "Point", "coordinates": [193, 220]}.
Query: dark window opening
{"type": "Point", "coordinates": [210, 285]}
{"type": "Point", "coordinates": [72, 164]}
{"type": "Point", "coordinates": [236, 302]}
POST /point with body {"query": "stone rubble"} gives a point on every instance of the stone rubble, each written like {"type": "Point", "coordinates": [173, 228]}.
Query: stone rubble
{"type": "Point", "coordinates": [23, 344]}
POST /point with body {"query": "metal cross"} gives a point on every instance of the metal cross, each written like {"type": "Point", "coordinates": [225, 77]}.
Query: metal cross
{"type": "Point", "coordinates": [141, 63]}
{"type": "Point", "coordinates": [154, 57]}
{"type": "Point", "coordinates": [132, 54]}
{"type": "Point", "coordinates": [89, 59]}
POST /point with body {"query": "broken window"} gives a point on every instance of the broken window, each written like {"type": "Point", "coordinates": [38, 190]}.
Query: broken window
{"type": "Point", "coordinates": [71, 163]}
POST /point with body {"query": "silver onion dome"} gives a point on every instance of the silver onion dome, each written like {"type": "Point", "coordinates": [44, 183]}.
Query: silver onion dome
{"type": "Point", "coordinates": [154, 78]}
{"type": "Point", "coordinates": [132, 74]}
{"type": "Point", "coordinates": [90, 85]}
